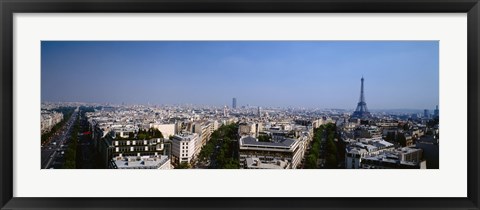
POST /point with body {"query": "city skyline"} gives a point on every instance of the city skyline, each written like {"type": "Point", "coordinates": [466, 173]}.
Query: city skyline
{"type": "Point", "coordinates": [311, 74]}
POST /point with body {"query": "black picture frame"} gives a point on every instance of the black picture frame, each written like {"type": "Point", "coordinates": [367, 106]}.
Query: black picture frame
{"type": "Point", "coordinates": [9, 7]}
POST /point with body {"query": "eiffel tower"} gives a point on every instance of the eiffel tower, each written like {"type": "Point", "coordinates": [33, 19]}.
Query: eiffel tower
{"type": "Point", "coordinates": [361, 112]}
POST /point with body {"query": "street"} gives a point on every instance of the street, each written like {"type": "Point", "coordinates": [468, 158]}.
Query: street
{"type": "Point", "coordinates": [52, 153]}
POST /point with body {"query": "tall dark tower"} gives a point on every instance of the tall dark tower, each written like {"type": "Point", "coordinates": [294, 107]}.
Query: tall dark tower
{"type": "Point", "coordinates": [234, 103]}
{"type": "Point", "coordinates": [361, 111]}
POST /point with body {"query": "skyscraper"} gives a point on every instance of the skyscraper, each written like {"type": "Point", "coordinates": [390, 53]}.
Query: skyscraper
{"type": "Point", "coordinates": [234, 103]}
{"type": "Point", "coordinates": [361, 111]}
{"type": "Point", "coordinates": [426, 114]}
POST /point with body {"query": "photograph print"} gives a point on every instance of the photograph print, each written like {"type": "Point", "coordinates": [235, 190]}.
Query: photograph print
{"type": "Point", "coordinates": [239, 105]}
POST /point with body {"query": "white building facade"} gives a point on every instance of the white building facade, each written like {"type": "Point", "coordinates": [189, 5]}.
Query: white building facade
{"type": "Point", "coordinates": [183, 147]}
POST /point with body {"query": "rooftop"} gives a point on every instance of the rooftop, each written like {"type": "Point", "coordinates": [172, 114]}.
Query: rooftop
{"type": "Point", "coordinates": [185, 136]}
{"type": "Point", "coordinates": [255, 163]}
{"type": "Point", "coordinates": [252, 141]}
{"type": "Point", "coordinates": [144, 162]}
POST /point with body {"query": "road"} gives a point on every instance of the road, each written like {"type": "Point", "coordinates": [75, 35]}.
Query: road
{"type": "Point", "coordinates": [53, 151]}
{"type": "Point", "coordinates": [85, 146]}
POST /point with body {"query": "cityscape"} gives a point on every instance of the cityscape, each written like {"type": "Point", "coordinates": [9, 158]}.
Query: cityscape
{"type": "Point", "coordinates": [240, 105]}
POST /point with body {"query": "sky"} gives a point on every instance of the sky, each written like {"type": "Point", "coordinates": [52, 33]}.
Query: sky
{"type": "Point", "coordinates": [309, 74]}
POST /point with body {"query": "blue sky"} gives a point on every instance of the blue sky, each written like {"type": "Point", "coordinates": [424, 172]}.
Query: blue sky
{"type": "Point", "coordinates": [314, 74]}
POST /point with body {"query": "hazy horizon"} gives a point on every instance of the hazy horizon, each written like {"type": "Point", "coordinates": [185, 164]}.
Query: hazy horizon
{"type": "Point", "coordinates": [310, 74]}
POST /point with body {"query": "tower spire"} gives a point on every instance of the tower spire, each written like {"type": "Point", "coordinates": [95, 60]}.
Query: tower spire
{"type": "Point", "coordinates": [362, 96]}
{"type": "Point", "coordinates": [361, 111]}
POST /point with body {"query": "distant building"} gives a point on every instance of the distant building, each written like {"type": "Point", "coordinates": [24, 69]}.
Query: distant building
{"type": "Point", "coordinates": [225, 111]}
{"type": "Point", "coordinates": [402, 158]}
{"type": "Point", "coordinates": [214, 125]}
{"type": "Point", "coordinates": [414, 116]}
{"type": "Point", "coordinates": [436, 112]}
{"type": "Point", "coordinates": [122, 131]}
{"type": "Point", "coordinates": [249, 129]}
{"type": "Point", "coordinates": [426, 114]}
{"type": "Point", "coordinates": [429, 145]}
{"type": "Point", "coordinates": [356, 150]}
{"type": "Point", "coordinates": [166, 129]}
{"type": "Point", "coordinates": [204, 131]}
{"type": "Point", "coordinates": [364, 131]}
{"type": "Point", "coordinates": [234, 103]}
{"type": "Point", "coordinates": [387, 124]}
{"type": "Point", "coordinates": [49, 119]}
{"type": "Point", "coordinates": [380, 154]}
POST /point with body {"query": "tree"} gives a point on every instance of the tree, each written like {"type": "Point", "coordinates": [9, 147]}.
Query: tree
{"type": "Point", "coordinates": [71, 153]}
{"type": "Point", "coordinates": [331, 147]}
{"type": "Point", "coordinates": [402, 140]}
{"type": "Point", "coordinates": [232, 164]}
{"type": "Point", "coordinates": [264, 138]}
{"type": "Point", "coordinates": [183, 165]}
{"type": "Point", "coordinates": [315, 148]}
{"type": "Point", "coordinates": [331, 136]}
{"type": "Point", "coordinates": [433, 122]}
{"type": "Point", "coordinates": [206, 151]}
{"type": "Point", "coordinates": [390, 137]}
{"type": "Point", "coordinates": [331, 161]}
{"type": "Point", "coordinates": [155, 133]}
{"type": "Point", "coordinates": [327, 131]}
{"type": "Point", "coordinates": [67, 113]}
{"type": "Point", "coordinates": [314, 153]}
{"type": "Point", "coordinates": [311, 161]}
{"type": "Point", "coordinates": [221, 147]}
{"type": "Point", "coordinates": [141, 136]}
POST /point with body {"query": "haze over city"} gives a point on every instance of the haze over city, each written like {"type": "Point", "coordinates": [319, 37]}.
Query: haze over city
{"type": "Point", "coordinates": [240, 105]}
{"type": "Point", "coordinates": [312, 74]}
